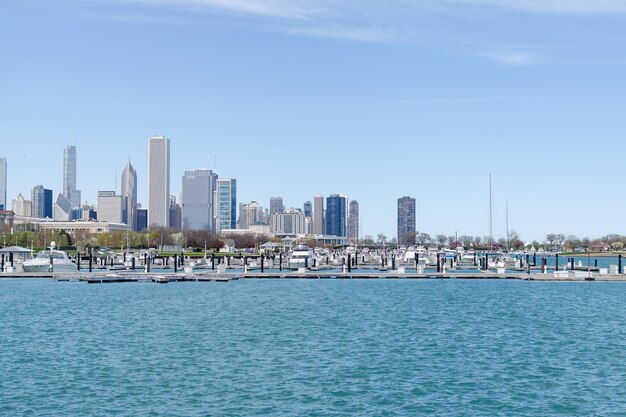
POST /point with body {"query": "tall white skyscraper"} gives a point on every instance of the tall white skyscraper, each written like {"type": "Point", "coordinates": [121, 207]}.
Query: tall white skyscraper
{"type": "Point", "coordinates": [3, 183]}
{"type": "Point", "coordinates": [69, 176]}
{"type": "Point", "coordinates": [129, 192]}
{"type": "Point", "coordinates": [159, 181]}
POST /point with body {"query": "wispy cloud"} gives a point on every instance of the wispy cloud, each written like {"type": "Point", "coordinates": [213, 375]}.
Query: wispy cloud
{"type": "Point", "coordinates": [295, 9]}
{"type": "Point", "coordinates": [511, 58]}
{"type": "Point", "coordinates": [312, 8]}
{"type": "Point", "coordinates": [444, 25]}
{"type": "Point", "coordinates": [553, 6]}
{"type": "Point", "coordinates": [471, 100]}
{"type": "Point", "coordinates": [352, 33]}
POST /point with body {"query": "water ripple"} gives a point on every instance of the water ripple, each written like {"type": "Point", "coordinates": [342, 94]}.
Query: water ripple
{"type": "Point", "coordinates": [313, 348]}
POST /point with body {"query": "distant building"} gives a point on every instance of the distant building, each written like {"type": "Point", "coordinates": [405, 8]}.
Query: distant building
{"type": "Point", "coordinates": [42, 202]}
{"type": "Point", "coordinates": [336, 215]}
{"type": "Point", "coordinates": [406, 221]}
{"type": "Point", "coordinates": [22, 207]}
{"type": "Point", "coordinates": [226, 198]}
{"type": "Point", "coordinates": [3, 183]}
{"type": "Point", "coordinates": [129, 193]}
{"type": "Point", "coordinates": [111, 207]}
{"type": "Point", "coordinates": [69, 177]}
{"type": "Point", "coordinates": [353, 222]}
{"type": "Point", "coordinates": [249, 214]}
{"type": "Point", "coordinates": [199, 189]}
{"type": "Point", "coordinates": [308, 209]}
{"type": "Point", "coordinates": [36, 225]}
{"type": "Point", "coordinates": [276, 205]}
{"type": "Point", "coordinates": [289, 222]}
{"type": "Point", "coordinates": [176, 214]}
{"type": "Point", "coordinates": [142, 219]}
{"type": "Point", "coordinates": [7, 218]}
{"type": "Point", "coordinates": [318, 215]}
{"type": "Point", "coordinates": [62, 210]}
{"type": "Point", "coordinates": [159, 181]}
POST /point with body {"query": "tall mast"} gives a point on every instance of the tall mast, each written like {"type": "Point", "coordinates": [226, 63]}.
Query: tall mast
{"type": "Point", "coordinates": [508, 236]}
{"type": "Point", "coordinates": [490, 217]}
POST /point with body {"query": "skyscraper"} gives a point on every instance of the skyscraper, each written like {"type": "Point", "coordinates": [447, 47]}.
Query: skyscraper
{"type": "Point", "coordinates": [22, 207]}
{"type": "Point", "coordinates": [110, 207]}
{"type": "Point", "coordinates": [318, 215]}
{"type": "Point", "coordinates": [353, 222]}
{"type": "Point", "coordinates": [3, 183]}
{"type": "Point", "coordinates": [176, 214]}
{"type": "Point", "coordinates": [307, 208]}
{"type": "Point", "coordinates": [406, 221]}
{"type": "Point", "coordinates": [289, 222]}
{"type": "Point", "coordinates": [129, 193]}
{"type": "Point", "coordinates": [69, 176]}
{"type": "Point", "coordinates": [159, 181]}
{"type": "Point", "coordinates": [336, 215]}
{"type": "Point", "coordinates": [276, 205]}
{"type": "Point", "coordinates": [249, 213]}
{"type": "Point", "coordinates": [198, 200]}
{"type": "Point", "coordinates": [142, 219]}
{"type": "Point", "coordinates": [62, 209]}
{"type": "Point", "coordinates": [42, 202]}
{"type": "Point", "coordinates": [226, 203]}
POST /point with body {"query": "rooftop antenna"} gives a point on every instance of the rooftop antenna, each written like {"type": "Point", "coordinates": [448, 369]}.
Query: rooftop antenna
{"type": "Point", "coordinates": [490, 217]}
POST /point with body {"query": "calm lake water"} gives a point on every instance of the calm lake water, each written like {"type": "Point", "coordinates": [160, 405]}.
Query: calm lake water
{"type": "Point", "coordinates": [313, 348]}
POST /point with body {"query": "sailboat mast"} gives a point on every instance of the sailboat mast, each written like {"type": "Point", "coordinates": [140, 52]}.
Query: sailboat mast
{"type": "Point", "coordinates": [490, 217]}
{"type": "Point", "coordinates": [508, 236]}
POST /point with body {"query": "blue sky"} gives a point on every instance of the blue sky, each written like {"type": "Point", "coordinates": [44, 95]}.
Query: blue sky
{"type": "Point", "coordinates": [373, 99]}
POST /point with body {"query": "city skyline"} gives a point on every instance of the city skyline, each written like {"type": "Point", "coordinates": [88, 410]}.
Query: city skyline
{"type": "Point", "coordinates": [430, 97]}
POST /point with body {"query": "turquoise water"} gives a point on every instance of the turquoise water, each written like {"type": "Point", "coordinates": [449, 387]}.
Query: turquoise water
{"type": "Point", "coordinates": [313, 348]}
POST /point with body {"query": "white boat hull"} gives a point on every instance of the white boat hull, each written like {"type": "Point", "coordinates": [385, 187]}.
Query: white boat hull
{"type": "Point", "coordinates": [45, 267]}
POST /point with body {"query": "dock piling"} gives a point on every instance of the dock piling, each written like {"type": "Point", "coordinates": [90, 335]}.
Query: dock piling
{"type": "Point", "coordinates": [556, 263]}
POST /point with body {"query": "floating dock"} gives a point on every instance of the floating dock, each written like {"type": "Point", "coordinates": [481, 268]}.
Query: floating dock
{"type": "Point", "coordinates": [214, 276]}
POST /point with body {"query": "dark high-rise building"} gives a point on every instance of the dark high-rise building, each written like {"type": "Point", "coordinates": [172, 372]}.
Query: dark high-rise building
{"type": "Point", "coordinates": [308, 209]}
{"type": "Point", "coordinates": [175, 214]}
{"type": "Point", "coordinates": [276, 205]}
{"type": "Point", "coordinates": [336, 215]}
{"type": "Point", "coordinates": [42, 202]}
{"type": "Point", "coordinates": [142, 219]}
{"type": "Point", "coordinates": [353, 222]}
{"type": "Point", "coordinates": [406, 221]}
